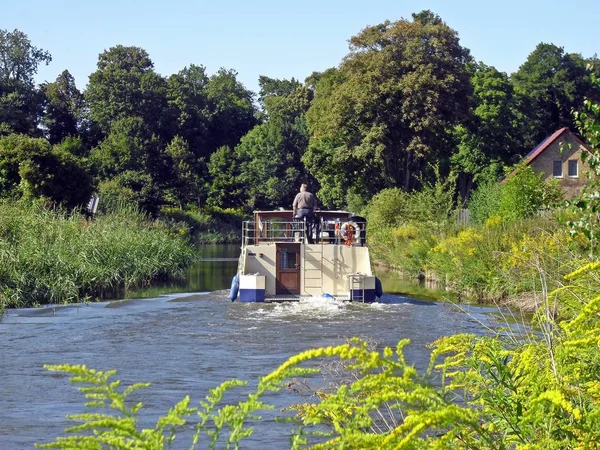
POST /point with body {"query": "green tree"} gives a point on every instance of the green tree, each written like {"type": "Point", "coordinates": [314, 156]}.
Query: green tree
{"type": "Point", "coordinates": [550, 84]}
{"type": "Point", "coordinates": [185, 184]}
{"type": "Point", "coordinates": [491, 138]}
{"type": "Point", "coordinates": [129, 145]}
{"type": "Point", "coordinates": [270, 154]}
{"type": "Point", "coordinates": [20, 101]}
{"type": "Point", "coordinates": [188, 114]}
{"type": "Point", "coordinates": [400, 92]}
{"type": "Point", "coordinates": [125, 85]}
{"type": "Point", "coordinates": [63, 108]}
{"type": "Point", "coordinates": [225, 189]}
{"type": "Point", "coordinates": [32, 168]}
{"type": "Point", "coordinates": [274, 87]}
{"type": "Point", "coordinates": [231, 112]}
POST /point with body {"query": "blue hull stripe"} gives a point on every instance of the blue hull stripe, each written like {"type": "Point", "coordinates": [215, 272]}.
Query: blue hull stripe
{"type": "Point", "coordinates": [252, 295]}
{"type": "Point", "coordinates": [369, 295]}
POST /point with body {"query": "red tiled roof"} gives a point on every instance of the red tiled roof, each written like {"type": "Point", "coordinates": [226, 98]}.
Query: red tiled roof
{"type": "Point", "coordinates": [545, 144]}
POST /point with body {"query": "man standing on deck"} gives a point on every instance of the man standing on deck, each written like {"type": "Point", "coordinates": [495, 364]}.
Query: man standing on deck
{"type": "Point", "coordinates": [304, 207]}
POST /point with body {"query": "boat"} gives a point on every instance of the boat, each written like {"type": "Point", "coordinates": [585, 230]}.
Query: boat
{"type": "Point", "coordinates": [280, 262]}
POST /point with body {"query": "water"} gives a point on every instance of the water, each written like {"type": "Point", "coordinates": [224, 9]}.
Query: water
{"type": "Point", "coordinates": [186, 343]}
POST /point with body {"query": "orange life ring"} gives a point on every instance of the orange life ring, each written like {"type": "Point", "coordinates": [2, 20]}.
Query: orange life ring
{"type": "Point", "coordinates": [349, 232]}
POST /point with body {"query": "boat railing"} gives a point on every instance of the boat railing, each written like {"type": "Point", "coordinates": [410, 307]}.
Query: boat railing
{"type": "Point", "coordinates": [272, 231]}
{"type": "Point", "coordinates": [294, 231]}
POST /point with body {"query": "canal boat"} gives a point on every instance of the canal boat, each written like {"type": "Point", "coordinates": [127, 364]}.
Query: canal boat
{"type": "Point", "coordinates": [280, 262]}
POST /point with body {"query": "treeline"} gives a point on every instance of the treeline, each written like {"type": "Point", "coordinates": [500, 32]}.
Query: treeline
{"type": "Point", "coordinates": [406, 96]}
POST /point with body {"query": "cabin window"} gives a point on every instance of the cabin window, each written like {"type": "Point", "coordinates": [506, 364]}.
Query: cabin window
{"type": "Point", "coordinates": [557, 169]}
{"type": "Point", "coordinates": [287, 259]}
{"type": "Point", "coordinates": [573, 168]}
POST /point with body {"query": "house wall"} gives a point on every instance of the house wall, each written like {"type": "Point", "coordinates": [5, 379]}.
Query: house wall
{"type": "Point", "coordinates": [544, 163]}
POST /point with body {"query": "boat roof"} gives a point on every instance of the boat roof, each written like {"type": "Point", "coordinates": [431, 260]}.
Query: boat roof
{"type": "Point", "coordinates": [289, 210]}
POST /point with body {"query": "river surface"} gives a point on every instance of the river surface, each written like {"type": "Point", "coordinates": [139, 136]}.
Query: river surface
{"type": "Point", "coordinates": [188, 342]}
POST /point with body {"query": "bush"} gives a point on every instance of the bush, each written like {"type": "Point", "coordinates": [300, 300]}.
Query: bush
{"type": "Point", "coordinates": [485, 202]}
{"type": "Point", "coordinates": [525, 193]}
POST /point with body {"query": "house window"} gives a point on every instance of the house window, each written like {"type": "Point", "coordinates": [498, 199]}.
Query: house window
{"type": "Point", "coordinates": [557, 169]}
{"type": "Point", "coordinates": [573, 169]}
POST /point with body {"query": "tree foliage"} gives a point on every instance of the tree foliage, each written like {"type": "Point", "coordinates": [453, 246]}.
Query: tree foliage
{"type": "Point", "coordinates": [63, 108]}
{"type": "Point", "coordinates": [415, 71]}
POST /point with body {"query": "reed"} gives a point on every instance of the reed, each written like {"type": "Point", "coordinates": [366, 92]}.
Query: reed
{"type": "Point", "coordinates": [60, 257]}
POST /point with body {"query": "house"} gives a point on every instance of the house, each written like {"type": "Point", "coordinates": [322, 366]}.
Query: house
{"type": "Point", "coordinates": [559, 157]}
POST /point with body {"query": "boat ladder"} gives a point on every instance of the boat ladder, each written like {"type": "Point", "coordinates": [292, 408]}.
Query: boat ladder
{"type": "Point", "coordinates": [312, 268]}
{"type": "Point", "coordinates": [357, 287]}
{"type": "Point", "coordinates": [242, 261]}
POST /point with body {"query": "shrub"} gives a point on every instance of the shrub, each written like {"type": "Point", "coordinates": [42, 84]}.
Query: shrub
{"type": "Point", "coordinates": [485, 202]}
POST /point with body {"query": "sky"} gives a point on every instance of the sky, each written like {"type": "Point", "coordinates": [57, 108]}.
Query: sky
{"type": "Point", "coordinates": [283, 39]}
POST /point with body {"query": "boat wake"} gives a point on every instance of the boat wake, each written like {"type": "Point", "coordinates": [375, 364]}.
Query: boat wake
{"type": "Point", "coordinates": [315, 307]}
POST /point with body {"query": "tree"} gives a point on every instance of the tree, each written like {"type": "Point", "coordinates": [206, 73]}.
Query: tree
{"type": "Point", "coordinates": [185, 184]}
{"type": "Point", "coordinates": [20, 102]}
{"type": "Point", "coordinates": [401, 90]}
{"type": "Point", "coordinates": [491, 138]}
{"type": "Point", "coordinates": [231, 112]}
{"type": "Point", "coordinates": [129, 146]}
{"type": "Point", "coordinates": [64, 108]}
{"type": "Point", "coordinates": [226, 189]}
{"type": "Point", "coordinates": [19, 60]}
{"type": "Point", "coordinates": [188, 107]}
{"type": "Point", "coordinates": [125, 85]}
{"type": "Point", "coordinates": [270, 154]}
{"type": "Point", "coordinates": [32, 168]}
{"type": "Point", "coordinates": [273, 87]}
{"type": "Point", "coordinates": [550, 84]}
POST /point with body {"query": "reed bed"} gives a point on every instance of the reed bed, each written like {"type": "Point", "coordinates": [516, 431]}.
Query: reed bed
{"type": "Point", "coordinates": [60, 257]}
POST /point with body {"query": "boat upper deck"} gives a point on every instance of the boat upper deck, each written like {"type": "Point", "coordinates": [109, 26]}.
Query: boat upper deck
{"type": "Point", "coordinates": [329, 227]}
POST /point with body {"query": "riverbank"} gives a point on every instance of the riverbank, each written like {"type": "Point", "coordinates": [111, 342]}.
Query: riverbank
{"type": "Point", "coordinates": [209, 225]}
{"type": "Point", "coordinates": [500, 262]}
{"type": "Point", "coordinates": [49, 257]}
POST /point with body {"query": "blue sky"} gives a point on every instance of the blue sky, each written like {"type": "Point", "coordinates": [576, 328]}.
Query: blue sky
{"type": "Point", "coordinates": [283, 39]}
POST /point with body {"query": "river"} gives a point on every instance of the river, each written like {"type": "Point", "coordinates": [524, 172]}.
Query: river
{"type": "Point", "coordinates": [188, 342]}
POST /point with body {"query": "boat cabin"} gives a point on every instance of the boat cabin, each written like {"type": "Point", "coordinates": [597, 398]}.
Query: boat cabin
{"type": "Point", "coordinates": [280, 261]}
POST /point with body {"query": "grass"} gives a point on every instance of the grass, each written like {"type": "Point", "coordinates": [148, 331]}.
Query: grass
{"type": "Point", "coordinates": [59, 257]}
{"type": "Point", "coordinates": [207, 225]}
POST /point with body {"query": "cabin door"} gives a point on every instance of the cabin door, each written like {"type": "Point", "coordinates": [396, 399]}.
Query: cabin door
{"type": "Point", "coordinates": [288, 269]}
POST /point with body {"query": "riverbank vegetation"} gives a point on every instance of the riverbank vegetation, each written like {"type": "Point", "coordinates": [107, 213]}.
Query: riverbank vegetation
{"type": "Point", "coordinates": [512, 225]}
{"type": "Point", "coordinates": [51, 257]}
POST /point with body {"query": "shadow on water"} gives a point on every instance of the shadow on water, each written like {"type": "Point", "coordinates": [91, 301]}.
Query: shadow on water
{"type": "Point", "coordinates": [212, 272]}
{"type": "Point", "coordinates": [394, 282]}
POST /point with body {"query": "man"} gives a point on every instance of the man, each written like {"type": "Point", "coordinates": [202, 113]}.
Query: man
{"type": "Point", "coordinates": [304, 207]}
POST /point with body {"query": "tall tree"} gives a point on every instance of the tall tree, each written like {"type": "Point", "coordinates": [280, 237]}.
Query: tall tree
{"type": "Point", "coordinates": [492, 136]}
{"type": "Point", "coordinates": [125, 85]}
{"type": "Point", "coordinates": [185, 183]}
{"type": "Point", "coordinates": [550, 84]}
{"type": "Point", "coordinates": [32, 168]}
{"type": "Point", "coordinates": [231, 112]}
{"type": "Point", "coordinates": [188, 107]}
{"type": "Point", "coordinates": [20, 101]}
{"type": "Point", "coordinates": [64, 108]}
{"type": "Point", "coordinates": [274, 87]}
{"type": "Point", "coordinates": [270, 154]}
{"type": "Point", "coordinates": [404, 87]}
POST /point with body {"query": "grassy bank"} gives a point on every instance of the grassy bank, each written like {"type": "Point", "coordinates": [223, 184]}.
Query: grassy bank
{"type": "Point", "coordinates": [209, 225]}
{"type": "Point", "coordinates": [502, 253]}
{"type": "Point", "coordinates": [57, 257]}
